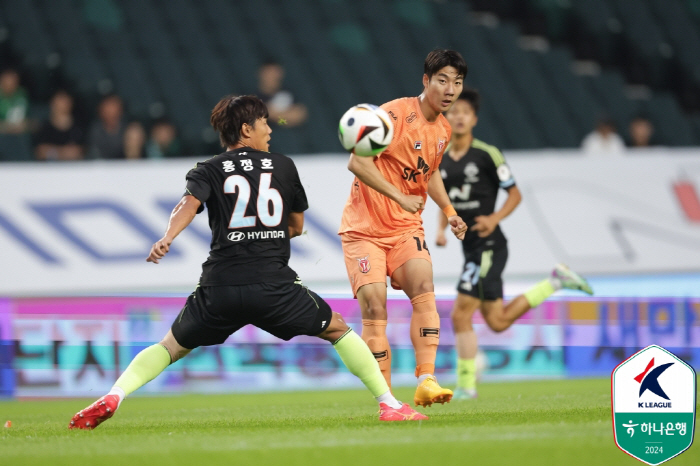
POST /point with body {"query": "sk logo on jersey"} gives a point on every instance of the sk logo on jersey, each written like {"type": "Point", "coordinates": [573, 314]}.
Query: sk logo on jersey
{"type": "Point", "coordinates": [410, 175]}
{"type": "Point", "coordinates": [363, 263]}
{"type": "Point", "coordinates": [441, 145]}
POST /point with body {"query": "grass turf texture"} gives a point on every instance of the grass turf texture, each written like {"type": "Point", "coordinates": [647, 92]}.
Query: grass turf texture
{"type": "Point", "coordinates": [561, 422]}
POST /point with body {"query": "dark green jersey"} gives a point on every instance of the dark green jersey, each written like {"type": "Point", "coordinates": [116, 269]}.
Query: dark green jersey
{"type": "Point", "coordinates": [472, 183]}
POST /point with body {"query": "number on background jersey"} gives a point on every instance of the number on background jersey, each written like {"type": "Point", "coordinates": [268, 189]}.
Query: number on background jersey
{"type": "Point", "coordinates": [270, 215]}
{"type": "Point", "coordinates": [471, 273]}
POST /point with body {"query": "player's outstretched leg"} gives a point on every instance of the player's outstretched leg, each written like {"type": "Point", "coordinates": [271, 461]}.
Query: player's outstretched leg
{"type": "Point", "coordinates": [500, 318]}
{"type": "Point", "coordinates": [143, 368]}
{"type": "Point", "coordinates": [372, 300]}
{"type": "Point", "coordinates": [415, 277]}
{"type": "Point", "coordinates": [466, 344]}
{"type": "Point", "coordinates": [360, 362]}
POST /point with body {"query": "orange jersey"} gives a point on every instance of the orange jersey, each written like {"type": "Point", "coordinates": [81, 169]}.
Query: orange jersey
{"type": "Point", "coordinates": [408, 163]}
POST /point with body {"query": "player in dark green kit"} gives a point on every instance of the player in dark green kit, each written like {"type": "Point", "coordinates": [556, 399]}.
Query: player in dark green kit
{"type": "Point", "coordinates": [473, 172]}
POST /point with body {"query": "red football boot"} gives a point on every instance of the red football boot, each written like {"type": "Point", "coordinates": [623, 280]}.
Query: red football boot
{"type": "Point", "coordinates": [95, 414]}
{"type": "Point", "coordinates": [404, 413]}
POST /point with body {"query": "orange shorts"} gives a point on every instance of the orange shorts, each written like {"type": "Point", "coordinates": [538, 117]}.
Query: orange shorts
{"type": "Point", "coordinates": [371, 260]}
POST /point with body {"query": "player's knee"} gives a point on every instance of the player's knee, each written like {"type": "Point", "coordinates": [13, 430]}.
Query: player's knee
{"type": "Point", "coordinates": [336, 329]}
{"type": "Point", "coordinates": [497, 325]}
{"type": "Point", "coordinates": [424, 286]}
{"type": "Point", "coordinates": [174, 348]}
{"type": "Point", "coordinates": [376, 310]}
{"type": "Point", "coordinates": [461, 319]}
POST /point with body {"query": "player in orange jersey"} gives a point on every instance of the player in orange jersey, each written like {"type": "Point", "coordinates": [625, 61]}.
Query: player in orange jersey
{"type": "Point", "coordinates": [382, 229]}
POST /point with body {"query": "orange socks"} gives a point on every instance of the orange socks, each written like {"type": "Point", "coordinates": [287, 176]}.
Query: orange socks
{"type": "Point", "coordinates": [425, 332]}
{"type": "Point", "coordinates": [374, 334]}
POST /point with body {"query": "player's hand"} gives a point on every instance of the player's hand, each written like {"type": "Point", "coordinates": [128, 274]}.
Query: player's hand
{"type": "Point", "coordinates": [441, 239]}
{"type": "Point", "coordinates": [458, 227]}
{"type": "Point", "coordinates": [485, 224]}
{"type": "Point", "coordinates": [159, 250]}
{"type": "Point", "coordinates": [411, 203]}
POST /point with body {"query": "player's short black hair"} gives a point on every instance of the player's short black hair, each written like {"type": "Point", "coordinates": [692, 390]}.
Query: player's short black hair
{"type": "Point", "coordinates": [232, 112]}
{"type": "Point", "coordinates": [440, 58]}
{"type": "Point", "coordinates": [472, 96]}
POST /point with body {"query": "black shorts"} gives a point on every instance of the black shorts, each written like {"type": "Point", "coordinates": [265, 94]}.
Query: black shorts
{"type": "Point", "coordinates": [285, 310]}
{"type": "Point", "coordinates": [481, 276]}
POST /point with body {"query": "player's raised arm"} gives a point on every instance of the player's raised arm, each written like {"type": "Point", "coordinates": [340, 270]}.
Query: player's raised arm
{"type": "Point", "coordinates": [436, 191]}
{"type": "Point", "coordinates": [182, 215]}
{"type": "Point", "coordinates": [486, 224]}
{"type": "Point", "coordinates": [367, 172]}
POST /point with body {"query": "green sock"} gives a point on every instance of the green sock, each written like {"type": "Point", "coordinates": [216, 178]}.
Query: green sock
{"type": "Point", "coordinates": [359, 360]}
{"type": "Point", "coordinates": [466, 373]}
{"type": "Point", "coordinates": [538, 293]}
{"type": "Point", "coordinates": [145, 367]}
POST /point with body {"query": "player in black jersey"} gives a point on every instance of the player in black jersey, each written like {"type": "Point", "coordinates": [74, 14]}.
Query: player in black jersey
{"type": "Point", "coordinates": [256, 203]}
{"type": "Point", "coordinates": [473, 173]}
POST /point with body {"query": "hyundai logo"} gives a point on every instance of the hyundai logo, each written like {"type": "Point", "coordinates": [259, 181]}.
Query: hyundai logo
{"type": "Point", "coordinates": [236, 236]}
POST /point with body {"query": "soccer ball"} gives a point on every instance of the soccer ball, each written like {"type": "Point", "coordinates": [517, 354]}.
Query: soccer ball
{"type": "Point", "coordinates": [365, 130]}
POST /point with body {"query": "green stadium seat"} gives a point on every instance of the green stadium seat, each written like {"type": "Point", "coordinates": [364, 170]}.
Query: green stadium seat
{"type": "Point", "coordinates": [610, 88]}
{"type": "Point", "coordinates": [15, 148]}
{"type": "Point", "coordinates": [669, 123]}
{"type": "Point", "coordinates": [683, 32]}
{"type": "Point", "coordinates": [569, 89]}
{"type": "Point", "coordinates": [642, 31]}
{"type": "Point", "coordinates": [530, 84]}
{"type": "Point", "coordinates": [28, 33]}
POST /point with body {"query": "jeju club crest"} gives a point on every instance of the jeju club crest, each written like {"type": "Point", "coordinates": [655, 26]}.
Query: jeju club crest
{"type": "Point", "coordinates": [653, 403]}
{"type": "Point", "coordinates": [363, 263]}
{"type": "Point", "coordinates": [441, 145]}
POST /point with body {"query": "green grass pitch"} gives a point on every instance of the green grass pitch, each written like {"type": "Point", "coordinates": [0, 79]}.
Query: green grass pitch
{"type": "Point", "coordinates": [558, 422]}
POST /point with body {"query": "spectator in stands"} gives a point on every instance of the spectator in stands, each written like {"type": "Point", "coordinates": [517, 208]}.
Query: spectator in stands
{"type": "Point", "coordinates": [604, 140]}
{"type": "Point", "coordinates": [134, 140]}
{"type": "Point", "coordinates": [106, 139]}
{"type": "Point", "coordinates": [641, 132]}
{"type": "Point", "coordinates": [163, 141]}
{"type": "Point", "coordinates": [280, 102]}
{"type": "Point", "coordinates": [13, 103]}
{"type": "Point", "coordinates": [60, 137]}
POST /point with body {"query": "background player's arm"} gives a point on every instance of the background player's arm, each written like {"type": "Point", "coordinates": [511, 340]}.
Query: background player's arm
{"type": "Point", "coordinates": [436, 191]}
{"type": "Point", "coordinates": [365, 170]}
{"type": "Point", "coordinates": [485, 224]}
{"type": "Point", "coordinates": [183, 214]}
{"type": "Point", "coordinates": [296, 224]}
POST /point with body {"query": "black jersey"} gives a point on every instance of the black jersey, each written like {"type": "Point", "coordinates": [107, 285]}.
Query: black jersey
{"type": "Point", "coordinates": [473, 182]}
{"type": "Point", "coordinates": [249, 195]}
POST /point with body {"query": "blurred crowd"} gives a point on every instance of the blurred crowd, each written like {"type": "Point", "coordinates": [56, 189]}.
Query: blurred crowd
{"type": "Point", "coordinates": [109, 134]}
{"type": "Point", "coordinates": [106, 132]}
{"type": "Point", "coordinates": [64, 135]}
{"type": "Point", "coordinates": [605, 140]}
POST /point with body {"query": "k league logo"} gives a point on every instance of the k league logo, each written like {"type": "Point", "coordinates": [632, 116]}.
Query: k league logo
{"type": "Point", "coordinates": [653, 404]}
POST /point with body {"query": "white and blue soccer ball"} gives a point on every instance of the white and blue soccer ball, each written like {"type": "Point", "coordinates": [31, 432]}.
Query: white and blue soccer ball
{"type": "Point", "coordinates": [365, 130]}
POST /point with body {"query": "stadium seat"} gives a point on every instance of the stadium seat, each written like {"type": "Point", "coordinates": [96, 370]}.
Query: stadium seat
{"type": "Point", "coordinates": [530, 84]}
{"type": "Point", "coordinates": [569, 89]}
{"type": "Point", "coordinates": [668, 120]}
{"type": "Point", "coordinates": [187, 54]}
{"type": "Point", "coordinates": [15, 148]}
